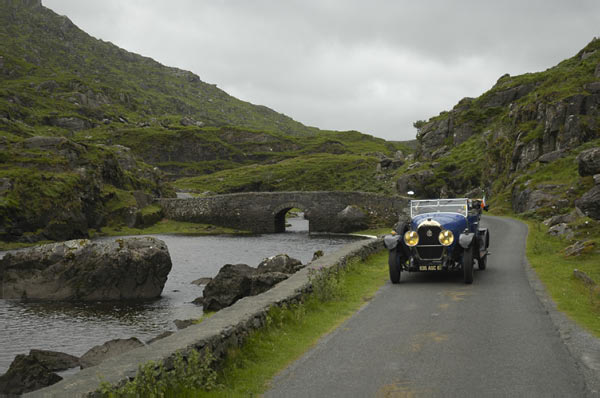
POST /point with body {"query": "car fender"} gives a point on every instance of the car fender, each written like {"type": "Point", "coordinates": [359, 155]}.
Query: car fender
{"type": "Point", "coordinates": [391, 241]}
{"type": "Point", "coordinates": [465, 240]}
{"type": "Point", "coordinates": [484, 238]}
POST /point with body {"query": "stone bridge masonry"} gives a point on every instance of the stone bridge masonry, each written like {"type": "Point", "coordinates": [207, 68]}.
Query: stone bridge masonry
{"type": "Point", "coordinates": [264, 212]}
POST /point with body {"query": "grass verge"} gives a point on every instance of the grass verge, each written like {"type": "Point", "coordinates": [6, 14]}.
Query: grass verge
{"type": "Point", "coordinates": [547, 257]}
{"type": "Point", "coordinates": [289, 332]}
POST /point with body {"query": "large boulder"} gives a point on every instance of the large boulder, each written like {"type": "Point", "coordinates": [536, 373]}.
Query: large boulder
{"type": "Point", "coordinates": [111, 348]}
{"type": "Point", "coordinates": [55, 361]}
{"type": "Point", "coordinates": [589, 162]}
{"type": "Point", "coordinates": [231, 284]}
{"type": "Point", "coordinates": [279, 263]}
{"type": "Point", "coordinates": [235, 281]}
{"type": "Point", "coordinates": [262, 282]}
{"type": "Point", "coordinates": [589, 203]}
{"type": "Point", "coordinates": [530, 199]}
{"type": "Point", "coordinates": [87, 271]}
{"type": "Point", "coordinates": [26, 373]}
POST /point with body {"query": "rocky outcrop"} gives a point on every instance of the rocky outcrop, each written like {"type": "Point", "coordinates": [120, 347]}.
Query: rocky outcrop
{"type": "Point", "coordinates": [84, 187]}
{"type": "Point", "coordinates": [109, 349]}
{"type": "Point", "coordinates": [589, 203]}
{"type": "Point", "coordinates": [26, 373]}
{"type": "Point", "coordinates": [578, 248]}
{"type": "Point", "coordinates": [589, 162]}
{"type": "Point", "coordinates": [84, 270]}
{"type": "Point", "coordinates": [235, 281]}
{"type": "Point", "coordinates": [417, 182]}
{"type": "Point", "coordinates": [530, 199]}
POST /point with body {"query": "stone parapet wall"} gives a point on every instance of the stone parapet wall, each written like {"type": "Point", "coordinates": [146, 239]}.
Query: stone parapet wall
{"type": "Point", "coordinates": [227, 328]}
{"type": "Point", "coordinates": [258, 211]}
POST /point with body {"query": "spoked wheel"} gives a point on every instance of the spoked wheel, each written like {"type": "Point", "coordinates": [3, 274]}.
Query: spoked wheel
{"type": "Point", "coordinates": [394, 265]}
{"type": "Point", "coordinates": [468, 265]}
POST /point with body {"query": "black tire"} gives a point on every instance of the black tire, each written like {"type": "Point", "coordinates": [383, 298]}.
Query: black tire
{"type": "Point", "coordinates": [482, 262]}
{"type": "Point", "coordinates": [468, 265]}
{"type": "Point", "coordinates": [394, 266]}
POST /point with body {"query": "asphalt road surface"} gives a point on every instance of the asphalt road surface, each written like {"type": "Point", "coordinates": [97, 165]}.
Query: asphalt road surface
{"type": "Point", "coordinates": [433, 336]}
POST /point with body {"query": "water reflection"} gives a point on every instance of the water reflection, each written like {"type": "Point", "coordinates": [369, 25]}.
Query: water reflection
{"type": "Point", "coordinates": [76, 327]}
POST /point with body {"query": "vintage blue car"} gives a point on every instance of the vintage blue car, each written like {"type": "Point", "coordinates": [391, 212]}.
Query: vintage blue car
{"type": "Point", "coordinates": [442, 235]}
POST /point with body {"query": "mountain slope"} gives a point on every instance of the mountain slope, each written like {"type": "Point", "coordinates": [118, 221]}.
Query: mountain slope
{"type": "Point", "coordinates": [61, 72]}
{"type": "Point", "coordinates": [131, 119]}
{"type": "Point", "coordinates": [517, 127]}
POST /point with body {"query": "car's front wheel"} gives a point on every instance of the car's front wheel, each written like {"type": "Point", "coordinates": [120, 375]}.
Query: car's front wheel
{"type": "Point", "coordinates": [394, 265]}
{"type": "Point", "coordinates": [468, 265]}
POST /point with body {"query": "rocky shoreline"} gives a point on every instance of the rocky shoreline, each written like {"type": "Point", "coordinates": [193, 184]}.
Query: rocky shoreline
{"type": "Point", "coordinates": [107, 271]}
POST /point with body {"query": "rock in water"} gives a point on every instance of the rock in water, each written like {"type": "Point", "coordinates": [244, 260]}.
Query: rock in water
{"type": "Point", "coordinates": [263, 282]}
{"type": "Point", "coordinates": [26, 373]}
{"type": "Point", "coordinates": [84, 270]}
{"type": "Point", "coordinates": [109, 349]}
{"type": "Point", "coordinates": [231, 284]}
{"type": "Point", "coordinates": [201, 281]}
{"type": "Point", "coordinates": [55, 361]}
{"type": "Point", "coordinates": [279, 263]}
{"type": "Point", "coordinates": [235, 281]}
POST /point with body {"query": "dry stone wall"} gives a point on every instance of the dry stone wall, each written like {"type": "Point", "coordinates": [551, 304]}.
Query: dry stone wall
{"type": "Point", "coordinates": [227, 328]}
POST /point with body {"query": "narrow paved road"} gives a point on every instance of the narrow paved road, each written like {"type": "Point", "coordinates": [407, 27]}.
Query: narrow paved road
{"type": "Point", "coordinates": [433, 336]}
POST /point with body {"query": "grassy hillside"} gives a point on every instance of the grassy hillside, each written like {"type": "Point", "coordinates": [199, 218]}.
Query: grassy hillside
{"type": "Point", "coordinates": [57, 81]}
{"type": "Point", "coordinates": [500, 137]}
{"type": "Point", "coordinates": [51, 69]}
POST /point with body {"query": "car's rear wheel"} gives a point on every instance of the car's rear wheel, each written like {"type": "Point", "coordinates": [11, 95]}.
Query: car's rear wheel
{"type": "Point", "coordinates": [394, 266]}
{"type": "Point", "coordinates": [468, 265]}
{"type": "Point", "coordinates": [482, 262]}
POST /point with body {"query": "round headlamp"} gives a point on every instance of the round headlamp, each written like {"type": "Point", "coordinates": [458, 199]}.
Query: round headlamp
{"type": "Point", "coordinates": [446, 237]}
{"type": "Point", "coordinates": [411, 238]}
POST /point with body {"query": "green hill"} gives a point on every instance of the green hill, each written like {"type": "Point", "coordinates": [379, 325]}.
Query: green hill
{"type": "Point", "coordinates": [159, 123]}
{"type": "Point", "coordinates": [519, 128]}
{"type": "Point", "coordinates": [57, 78]}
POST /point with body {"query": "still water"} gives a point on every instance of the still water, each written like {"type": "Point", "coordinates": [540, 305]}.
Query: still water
{"type": "Point", "coordinates": [76, 327]}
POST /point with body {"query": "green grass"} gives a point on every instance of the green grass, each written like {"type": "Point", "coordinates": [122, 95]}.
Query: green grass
{"type": "Point", "coordinates": [292, 331]}
{"type": "Point", "coordinates": [305, 173]}
{"type": "Point", "coordinates": [375, 231]}
{"type": "Point", "coordinates": [555, 270]}
{"type": "Point", "coordinates": [166, 226]}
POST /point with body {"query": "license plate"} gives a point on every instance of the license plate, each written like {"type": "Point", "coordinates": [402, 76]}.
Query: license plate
{"type": "Point", "coordinates": [430, 268]}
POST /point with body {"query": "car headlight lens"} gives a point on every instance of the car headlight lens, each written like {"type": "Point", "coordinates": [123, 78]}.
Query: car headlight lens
{"type": "Point", "coordinates": [446, 237]}
{"type": "Point", "coordinates": [411, 238]}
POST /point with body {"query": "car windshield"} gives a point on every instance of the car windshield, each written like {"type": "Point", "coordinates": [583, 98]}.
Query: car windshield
{"type": "Point", "coordinates": [438, 206]}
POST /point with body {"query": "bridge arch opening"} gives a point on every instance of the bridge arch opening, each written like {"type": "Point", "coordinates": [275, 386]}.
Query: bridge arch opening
{"type": "Point", "coordinates": [280, 216]}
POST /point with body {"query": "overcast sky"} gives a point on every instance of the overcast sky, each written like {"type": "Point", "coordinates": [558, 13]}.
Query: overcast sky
{"type": "Point", "coordinates": [371, 65]}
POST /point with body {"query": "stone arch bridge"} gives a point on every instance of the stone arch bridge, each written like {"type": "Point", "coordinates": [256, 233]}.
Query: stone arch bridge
{"type": "Point", "coordinates": [264, 212]}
